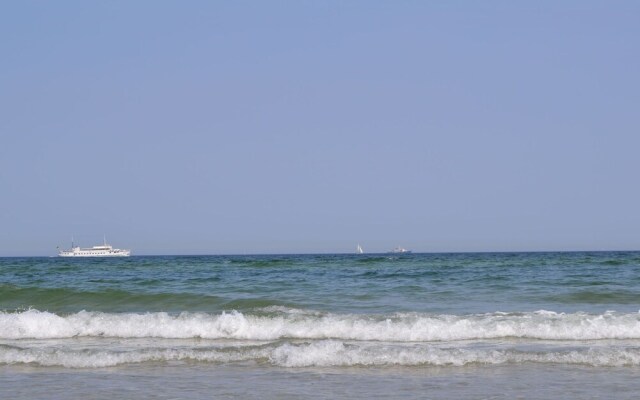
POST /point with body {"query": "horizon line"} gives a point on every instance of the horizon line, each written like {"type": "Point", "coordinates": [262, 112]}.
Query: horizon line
{"type": "Point", "coordinates": [336, 253]}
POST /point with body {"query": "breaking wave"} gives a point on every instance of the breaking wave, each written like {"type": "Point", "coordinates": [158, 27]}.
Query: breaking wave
{"type": "Point", "coordinates": [325, 353]}
{"type": "Point", "coordinates": [278, 323]}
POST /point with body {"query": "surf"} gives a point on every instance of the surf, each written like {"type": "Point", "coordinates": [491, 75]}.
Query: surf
{"type": "Point", "coordinates": [321, 353]}
{"type": "Point", "coordinates": [276, 323]}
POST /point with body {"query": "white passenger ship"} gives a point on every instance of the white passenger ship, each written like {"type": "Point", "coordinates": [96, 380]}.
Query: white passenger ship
{"type": "Point", "coordinates": [104, 250]}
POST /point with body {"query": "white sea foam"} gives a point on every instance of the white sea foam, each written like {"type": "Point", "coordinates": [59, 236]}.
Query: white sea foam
{"type": "Point", "coordinates": [336, 353]}
{"type": "Point", "coordinates": [290, 325]}
{"type": "Point", "coordinates": [98, 359]}
{"type": "Point", "coordinates": [323, 353]}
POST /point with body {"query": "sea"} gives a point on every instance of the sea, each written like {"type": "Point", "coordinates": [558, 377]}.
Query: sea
{"type": "Point", "coordinates": [562, 325]}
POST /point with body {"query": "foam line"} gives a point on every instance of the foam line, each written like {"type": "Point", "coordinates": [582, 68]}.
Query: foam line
{"type": "Point", "coordinates": [545, 325]}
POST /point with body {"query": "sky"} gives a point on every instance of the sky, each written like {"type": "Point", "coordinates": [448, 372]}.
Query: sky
{"type": "Point", "coordinates": [249, 127]}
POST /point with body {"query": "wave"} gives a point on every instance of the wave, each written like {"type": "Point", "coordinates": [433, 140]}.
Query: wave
{"type": "Point", "coordinates": [276, 323]}
{"type": "Point", "coordinates": [108, 299]}
{"type": "Point", "coordinates": [370, 259]}
{"type": "Point", "coordinates": [260, 262]}
{"type": "Point", "coordinates": [336, 353]}
{"type": "Point", "coordinates": [596, 297]}
{"type": "Point", "coordinates": [325, 353]}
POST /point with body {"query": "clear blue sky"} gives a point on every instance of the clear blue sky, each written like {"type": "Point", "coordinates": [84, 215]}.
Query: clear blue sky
{"type": "Point", "coordinates": [311, 126]}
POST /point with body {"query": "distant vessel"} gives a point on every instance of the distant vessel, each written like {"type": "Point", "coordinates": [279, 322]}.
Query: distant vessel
{"type": "Point", "coordinates": [104, 250]}
{"type": "Point", "coordinates": [359, 250]}
{"type": "Point", "coordinates": [400, 250]}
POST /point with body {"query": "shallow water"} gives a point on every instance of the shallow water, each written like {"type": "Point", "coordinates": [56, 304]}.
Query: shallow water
{"type": "Point", "coordinates": [204, 381]}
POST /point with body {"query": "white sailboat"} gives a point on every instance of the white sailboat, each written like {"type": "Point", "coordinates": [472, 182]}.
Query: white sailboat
{"type": "Point", "coordinates": [359, 249]}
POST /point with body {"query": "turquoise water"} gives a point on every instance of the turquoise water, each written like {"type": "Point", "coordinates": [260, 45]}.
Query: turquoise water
{"type": "Point", "coordinates": [441, 323]}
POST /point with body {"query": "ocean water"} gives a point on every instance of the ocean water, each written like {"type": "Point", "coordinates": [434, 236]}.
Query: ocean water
{"type": "Point", "coordinates": [438, 326]}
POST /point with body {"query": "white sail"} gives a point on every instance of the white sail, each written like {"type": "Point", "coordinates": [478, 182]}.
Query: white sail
{"type": "Point", "coordinates": [359, 250]}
